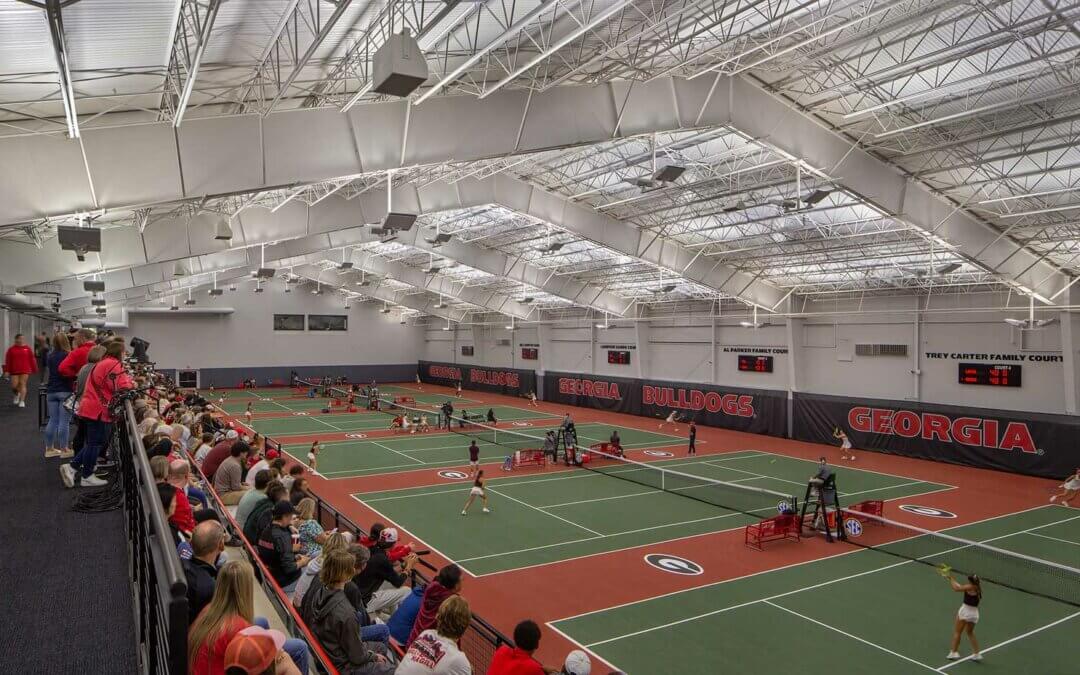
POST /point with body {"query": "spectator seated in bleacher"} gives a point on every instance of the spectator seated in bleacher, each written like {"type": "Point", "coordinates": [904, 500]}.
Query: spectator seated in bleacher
{"type": "Point", "coordinates": [519, 660]}
{"type": "Point", "coordinates": [258, 651]}
{"type": "Point", "coordinates": [577, 663]}
{"type": "Point", "coordinates": [332, 619]}
{"type": "Point", "coordinates": [295, 471]}
{"type": "Point", "coordinates": [252, 497]}
{"type": "Point", "coordinates": [299, 490]}
{"type": "Point", "coordinates": [231, 610]}
{"type": "Point", "coordinates": [381, 583]}
{"type": "Point", "coordinates": [262, 514]}
{"type": "Point", "coordinates": [435, 651]}
{"type": "Point", "coordinates": [312, 535]}
{"type": "Point", "coordinates": [337, 541]}
{"type": "Point", "coordinates": [401, 621]}
{"type": "Point", "coordinates": [167, 493]}
{"type": "Point", "coordinates": [277, 550]}
{"type": "Point", "coordinates": [207, 546]}
{"type": "Point", "coordinates": [370, 629]}
{"type": "Point", "coordinates": [229, 478]}
{"type": "Point", "coordinates": [218, 454]}
{"type": "Point", "coordinates": [178, 478]}
{"type": "Point", "coordinates": [446, 584]}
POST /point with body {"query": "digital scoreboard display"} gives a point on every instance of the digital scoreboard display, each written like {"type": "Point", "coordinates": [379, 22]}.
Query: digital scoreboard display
{"type": "Point", "coordinates": [752, 363]}
{"type": "Point", "coordinates": [990, 374]}
{"type": "Point", "coordinates": [620, 357]}
{"type": "Point", "coordinates": [530, 353]}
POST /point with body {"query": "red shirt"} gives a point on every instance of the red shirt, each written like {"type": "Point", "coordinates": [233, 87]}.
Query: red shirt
{"type": "Point", "coordinates": [184, 518]}
{"type": "Point", "coordinates": [75, 360]}
{"type": "Point", "coordinates": [218, 454]}
{"type": "Point", "coordinates": [514, 661]}
{"type": "Point", "coordinates": [20, 360]}
{"type": "Point", "coordinates": [105, 380]}
{"type": "Point", "coordinates": [210, 659]}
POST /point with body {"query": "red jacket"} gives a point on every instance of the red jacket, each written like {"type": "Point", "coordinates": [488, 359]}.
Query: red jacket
{"type": "Point", "coordinates": [20, 360]}
{"type": "Point", "coordinates": [107, 378]}
{"type": "Point", "coordinates": [184, 518]}
{"type": "Point", "coordinates": [514, 661]}
{"type": "Point", "coordinates": [75, 360]}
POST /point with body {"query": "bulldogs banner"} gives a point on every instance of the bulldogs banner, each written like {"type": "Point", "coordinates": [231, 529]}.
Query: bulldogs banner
{"type": "Point", "coordinates": [754, 410]}
{"type": "Point", "coordinates": [509, 381]}
{"type": "Point", "coordinates": [1028, 443]}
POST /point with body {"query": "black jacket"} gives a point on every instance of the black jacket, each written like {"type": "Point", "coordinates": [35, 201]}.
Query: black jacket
{"type": "Point", "coordinates": [275, 550]}
{"type": "Point", "coordinates": [201, 579]}
{"type": "Point", "coordinates": [330, 616]}
{"type": "Point", "coordinates": [378, 570]}
{"type": "Point", "coordinates": [262, 514]}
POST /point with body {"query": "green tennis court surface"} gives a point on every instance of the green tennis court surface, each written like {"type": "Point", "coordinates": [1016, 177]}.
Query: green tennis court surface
{"type": "Point", "coordinates": [436, 450]}
{"type": "Point", "coordinates": [314, 422]}
{"type": "Point", "coordinates": [865, 612]}
{"type": "Point", "coordinates": [544, 518]}
{"type": "Point", "coordinates": [238, 404]}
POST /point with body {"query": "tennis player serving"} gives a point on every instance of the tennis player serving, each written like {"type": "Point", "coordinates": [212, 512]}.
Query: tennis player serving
{"type": "Point", "coordinates": [967, 616]}
{"type": "Point", "coordinates": [477, 490]}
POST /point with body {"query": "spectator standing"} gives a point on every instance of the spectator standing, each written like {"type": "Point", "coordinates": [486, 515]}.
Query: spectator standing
{"type": "Point", "coordinates": [93, 356]}
{"type": "Point", "coordinates": [82, 343]}
{"type": "Point", "coordinates": [278, 551]}
{"type": "Point", "coordinates": [19, 365]}
{"type": "Point", "coordinates": [446, 584]}
{"type": "Point", "coordinates": [58, 391]}
{"type": "Point", "coordinates": [228, 479]}
{"type": "Point", "coordinates": [332, 619]}
{"type": "Point", "coordinates": [103, 383]}
{"type": "Point", "coordinates": [519, 660]}
{"type": "Point", "coordinates": [436, 652]}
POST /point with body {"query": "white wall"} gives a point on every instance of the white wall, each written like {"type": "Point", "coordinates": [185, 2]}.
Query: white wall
{"type": "Point", "coordinates": [814, 352]}
{"type": "Point", "coordinates": [246, 338]}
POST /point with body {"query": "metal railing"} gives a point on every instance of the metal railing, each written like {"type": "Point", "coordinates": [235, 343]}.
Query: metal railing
{"type": "Point", "coordinates": [157, 579]}
{"type": "Point", "coordinates": [481, 639]}
{"type": "Point", "coordinates": [43, 406]}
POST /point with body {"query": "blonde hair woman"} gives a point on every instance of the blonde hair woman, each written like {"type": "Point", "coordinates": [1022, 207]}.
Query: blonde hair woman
{"type": "Point", "coordinates": [335, 541]}
{"type": "Point", "coordinates": [312, 536]}
{"type": "Point", "coordinates": [230, 611]}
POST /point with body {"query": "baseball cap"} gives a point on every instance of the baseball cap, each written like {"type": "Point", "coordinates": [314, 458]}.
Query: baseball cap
{"type": "Point", "coordinates": [231, 434]}
{"type": "Point", "coordinates": [577, 663]}
{"type": "Point", "coordinates": [272, 454]}
{"type": "Point", "coordinates": [253, 649]}
{"type": "Point", "coordinates": [283, 508]}
{"type": "Point", "coordinates": [388, 536]}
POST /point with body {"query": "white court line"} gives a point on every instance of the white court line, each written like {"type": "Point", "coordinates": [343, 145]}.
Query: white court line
{"type": "Point", "coordinates": [853, 637]}
{"type": "Point", "coordinates": [849, 468]}
{"type": "Point", "coordinates": [825, 583]}
{"type": "Point", "coordinates": [1014, 639]}
{"type": "Point", "coordinates": [676, 523]}
{"type": "Point", "coordinates": [601, 499]}
{"type": "Point", "coordinates": [1046, 536]}
{"type": "Point", "coordinates": [568, 475]}
{"type": "Point", "coordinates": [426, 545]}
{"type": "Point", "coordinates": [396, 452]}
{"type": "Point", "coordinates": [776, 569]}
{"type": "Point", "coordinates": [758, 475]}
{"type": "Point", "coordinates": [539, 510]}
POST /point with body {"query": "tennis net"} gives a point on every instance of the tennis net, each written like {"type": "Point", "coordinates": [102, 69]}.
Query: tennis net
{"type": "Point", "coordinates": [997, 565]}
{"type": "Point", "coordinates": [757, 502]}
{"type": "Point", "coordinates": [515, 440]}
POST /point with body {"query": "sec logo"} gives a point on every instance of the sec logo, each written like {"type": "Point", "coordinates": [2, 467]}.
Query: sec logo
{"type": "Point", "coordinates": [453, 475]}
{"type": "Point", "coordinates": [673, 564]}
{"type": "Point", "coordinates": [782, 507]}
{"type": "Point", "coordinates": [853, 527]}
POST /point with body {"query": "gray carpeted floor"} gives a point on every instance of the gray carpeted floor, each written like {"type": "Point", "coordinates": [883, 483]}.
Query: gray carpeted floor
{"type": "Point", "coordinates": [66, 595]}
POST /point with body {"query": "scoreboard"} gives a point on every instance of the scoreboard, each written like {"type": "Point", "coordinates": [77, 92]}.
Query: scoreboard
{"type": "Point", "coordinates": [618, 356]}
{"type": "Point", "coordinates": [753, 363]}
{"type": "Point", "coordinates": [991, 374]}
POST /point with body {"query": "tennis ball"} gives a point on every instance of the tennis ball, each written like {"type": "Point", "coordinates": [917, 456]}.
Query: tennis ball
{"type": "Point", "coordinates": [772, 461]}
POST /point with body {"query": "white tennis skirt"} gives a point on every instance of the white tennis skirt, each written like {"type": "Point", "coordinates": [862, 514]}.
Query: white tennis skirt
{"type": "Point", "coordinates": [845, 444]}
{"type": "Point", "coordinates": [968, 613]}
{"type": "Point", "coordinates": [477, 492]}
{"type": "Point", "coordinates": [311, 457]}
{"type": "Point", "coordinates": [1072, 485]}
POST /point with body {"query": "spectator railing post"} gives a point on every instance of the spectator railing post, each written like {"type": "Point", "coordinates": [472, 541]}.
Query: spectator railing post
{"type": "Point", "coordinates": [43, 406]}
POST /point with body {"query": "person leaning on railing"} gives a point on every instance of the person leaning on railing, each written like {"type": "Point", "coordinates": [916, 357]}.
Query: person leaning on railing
{"type": "Point", "coordinates": [106, 380]}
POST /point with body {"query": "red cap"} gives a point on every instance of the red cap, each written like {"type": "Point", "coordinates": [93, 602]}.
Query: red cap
{"type": "Point", "coordinates": [253, 649]}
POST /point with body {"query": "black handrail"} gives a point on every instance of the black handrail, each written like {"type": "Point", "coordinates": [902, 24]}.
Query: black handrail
{"type": "Point", "coordinates": [157, 579]}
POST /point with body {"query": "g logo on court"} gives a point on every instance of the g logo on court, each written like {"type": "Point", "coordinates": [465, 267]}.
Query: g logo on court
{"type": "Point", "coordinates": [928, 511]}
{"type": "Point", "coordinates": [853, 527]}
{"type": "Point", "coordinates": [521, 424]}
{"type": "Point", "coordinates": [355, 435]}
{"type": "Point", "coordinates": [673, 564]}
{"type": "Point", "coordinates": [450, 474]}
{"type": "Point", "coordinates": [264, 398]}
{"type": "Point", "coordinates": [300, 414]}
{"type": "Point", "coordinates": [658, 453]}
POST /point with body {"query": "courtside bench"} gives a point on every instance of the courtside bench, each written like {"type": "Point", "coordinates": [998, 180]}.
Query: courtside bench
{"type": "Point", "coordinates": [778, 527]}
